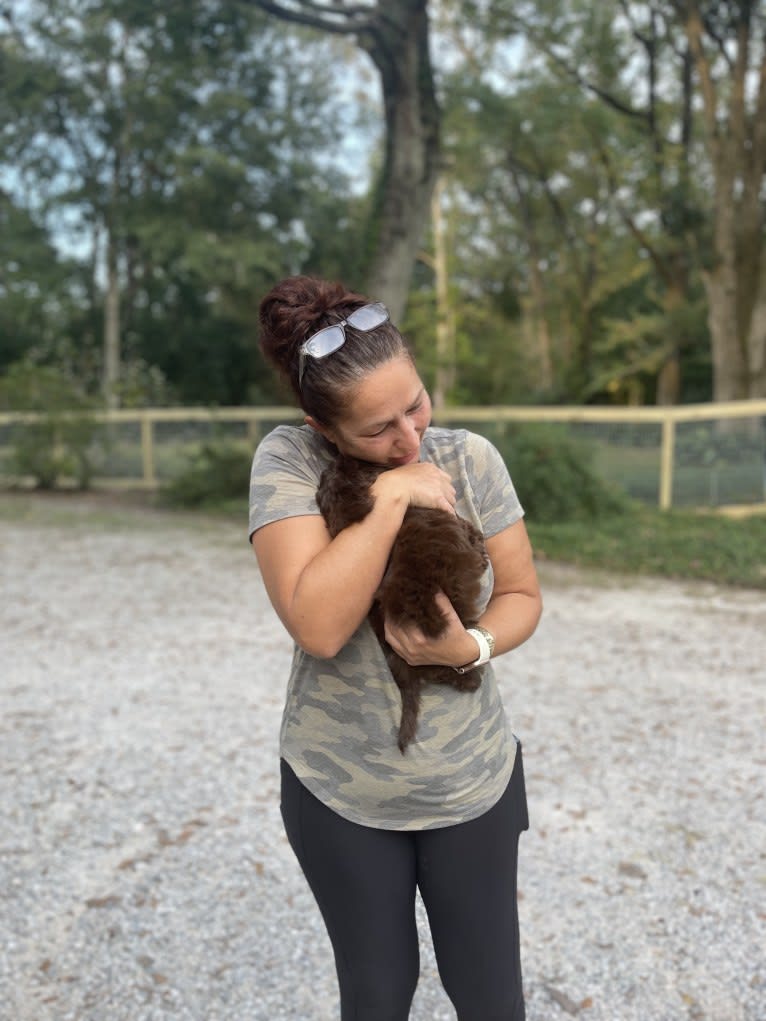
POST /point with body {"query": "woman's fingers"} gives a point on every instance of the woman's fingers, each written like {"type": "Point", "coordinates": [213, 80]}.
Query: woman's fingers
{"type": "Point", "coordinates": [421, 485]}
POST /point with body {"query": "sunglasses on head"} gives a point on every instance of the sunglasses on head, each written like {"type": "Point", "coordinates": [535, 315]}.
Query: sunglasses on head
{"type": "Point", "coordinates": [332, 338]}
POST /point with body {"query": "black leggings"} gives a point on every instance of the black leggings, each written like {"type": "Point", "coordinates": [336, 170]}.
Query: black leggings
{"type": "Point", "coordinates": [364, 882]}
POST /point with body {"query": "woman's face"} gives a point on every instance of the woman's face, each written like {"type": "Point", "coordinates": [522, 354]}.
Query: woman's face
{"type": "Point", "coordinates": [386, 417]}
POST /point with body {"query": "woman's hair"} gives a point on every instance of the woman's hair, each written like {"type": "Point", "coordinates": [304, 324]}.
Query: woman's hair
{"type": "Point", "coordinates": [300, 306]}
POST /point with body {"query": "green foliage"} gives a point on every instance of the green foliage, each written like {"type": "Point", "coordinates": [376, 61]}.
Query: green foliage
{"type": "Point", "coordinates": [32, 283]}
{"type": "Point", "coordinates": [213, 149]}
{"type": "Point", "coordinates": [143, 385]}
{"type": "Point", "coordinates": [190, 141]}
{"type": "Point", "coordinates": [672, 544]}
{"type": "Point", "coordinates": [588, 198]}
{"type": "Point", "coordinates": [554, 478]}
{"type": "Point", "coordinates": [64, 439]}
{"type": "Point", "coordinates": [217, 474]}
{"type": "Point", "coordinates": [704, 444]}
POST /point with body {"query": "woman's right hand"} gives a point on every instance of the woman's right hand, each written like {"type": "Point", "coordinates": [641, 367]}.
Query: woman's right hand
{"type": "Point", "coordinates": [417, 485]}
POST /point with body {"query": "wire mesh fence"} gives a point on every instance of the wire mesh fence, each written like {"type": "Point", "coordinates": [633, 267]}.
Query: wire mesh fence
{"type": "Point", "coordinates": [701, 456]}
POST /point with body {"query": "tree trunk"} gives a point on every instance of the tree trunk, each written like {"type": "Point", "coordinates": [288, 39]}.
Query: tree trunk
{"type": "Point", "coordinates": [539, 337]}
{"type": "Point", "coordinates": [730, 375]}
{"type": "Point", "coordinates": [734, 284]}
{"type": "Point", "coordinates": [669, 381]}
{"type": "Point", "coordinates": [111, 325]}
{"type": "Point", "coordinates": [543, 344]}
{"type": "Point", "coordinates": [757, 346]}
{"type": "Point", "coordinates": [399, 48]}
{"type": "Point", "coordinates": [676, 296]}
{"type": "Point", "coordinates": [395, 34]}
{"type": "Point", "coordinates": [736, 142]}
{"type": "Point", "coordinates": [445, 326]}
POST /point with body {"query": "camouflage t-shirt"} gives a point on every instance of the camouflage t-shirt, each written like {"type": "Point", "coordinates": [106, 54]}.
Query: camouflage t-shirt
{"type": "Point", "coordinates": [341, 715]}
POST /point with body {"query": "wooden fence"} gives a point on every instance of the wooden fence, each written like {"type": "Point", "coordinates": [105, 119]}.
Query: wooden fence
{"type": "Point", "coordinates": [667, 419]}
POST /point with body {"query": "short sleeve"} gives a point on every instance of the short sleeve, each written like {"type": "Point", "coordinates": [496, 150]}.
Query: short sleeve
{"type": "Point", "coordinates": [284, 478]}
{"type": "Point", "coordinates": [494, 492]}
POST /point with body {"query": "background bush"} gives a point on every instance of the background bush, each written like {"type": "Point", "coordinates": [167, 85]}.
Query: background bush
{"type": "Point", "coordinates": [554, 477]}
{"type": "Point", "coordinates": [552, 474]}
{"type": "Point", "coordinates": [216, 475]}
{"type": "Point", "coordinates": [65, 439]}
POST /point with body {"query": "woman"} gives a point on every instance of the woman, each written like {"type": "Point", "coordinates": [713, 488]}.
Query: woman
{"type": "Point", "coordinates": [368, 824]}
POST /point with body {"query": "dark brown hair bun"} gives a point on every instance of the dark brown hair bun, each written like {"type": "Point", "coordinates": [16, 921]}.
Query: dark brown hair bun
{"type": "Point", "coordinates": [300, 306]}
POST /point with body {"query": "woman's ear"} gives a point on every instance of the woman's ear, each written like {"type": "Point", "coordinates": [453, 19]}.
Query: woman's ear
{"type": "Point", "coordinates": [329, 434]}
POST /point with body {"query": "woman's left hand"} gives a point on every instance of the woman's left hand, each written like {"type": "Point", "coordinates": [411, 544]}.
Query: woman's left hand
{"type": "Point", "coordinates": [455, 647]}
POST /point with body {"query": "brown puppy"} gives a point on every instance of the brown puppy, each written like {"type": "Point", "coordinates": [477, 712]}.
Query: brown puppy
{"type": "Point", "coordinates": [433, 550]}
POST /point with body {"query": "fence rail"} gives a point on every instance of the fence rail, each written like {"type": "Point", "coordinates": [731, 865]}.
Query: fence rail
{"type": "Point", "coordinates": [665, 420]}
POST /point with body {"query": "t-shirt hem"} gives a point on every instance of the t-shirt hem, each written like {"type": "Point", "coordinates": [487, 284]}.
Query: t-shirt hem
{"type": "Point", "coordinates": [253, 528]}
{"type": "Point", "coordinates": [510, 521]}
{"type": "Point", "coordinates": [314, 786]}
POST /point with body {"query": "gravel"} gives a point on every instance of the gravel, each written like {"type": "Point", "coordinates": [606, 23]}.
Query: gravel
{"type": "Point", "coordinates": [144, 874]}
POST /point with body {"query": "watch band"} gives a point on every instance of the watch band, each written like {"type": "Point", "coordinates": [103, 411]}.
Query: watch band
{"type": "Point", "coordinates": [486, 642]}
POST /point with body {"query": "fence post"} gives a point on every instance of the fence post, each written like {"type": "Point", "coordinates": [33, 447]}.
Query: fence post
{"type": "Point", "coordinates": [666, 461]}
{"type": "Point", "coordinates": [253, 431]}
{"type": "Point", "coordinates": [147, 451]}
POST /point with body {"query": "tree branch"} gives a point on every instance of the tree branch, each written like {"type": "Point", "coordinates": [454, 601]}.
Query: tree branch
{"type": "Point", "coordinates": [737, 111]}
{"type": "Point", "coordinates": [659, 263]}
{"type": "Point", "coordinates": [758, 152]}
{"type": "Point", "coordinates": [15, 33]}
{"type": "Point", "coordinates": [694, 28]}
{"type": "Point", "coordinates": [353, 19]}
{"type": "Point", "coordinates": [607, 97]}
{"type": "Point", "coordinates": [628, 14]}
{"type": "Point", "coordinates": [720, 42]}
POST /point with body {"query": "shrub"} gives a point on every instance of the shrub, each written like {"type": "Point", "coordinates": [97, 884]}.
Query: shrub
{"type": "Point", "coordinates": [551, 472]}
{"type": "Point", "coordinates": [217, 473]}
{"type": "Point", "coordinates": [722, 442]}
{"type": "Point", "coordinates": [64, 438]}
{"type": "Point", "coordinates": [554, 478]}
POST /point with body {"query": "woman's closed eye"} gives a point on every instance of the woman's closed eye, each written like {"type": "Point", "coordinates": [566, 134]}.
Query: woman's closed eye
{"type": "Point", "coordinates": [378, 432]}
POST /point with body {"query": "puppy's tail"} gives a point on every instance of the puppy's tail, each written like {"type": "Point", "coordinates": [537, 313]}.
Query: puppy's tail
{"type": "Point", "coordinates": [409, 722]}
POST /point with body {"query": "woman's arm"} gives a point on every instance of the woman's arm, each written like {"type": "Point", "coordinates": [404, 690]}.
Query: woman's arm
{"type": "Point", "coordinates": [322, 589]}
{"type": "Point", "coordinates": [516, 604]}
{"type": "Point", "coordinates": [511, 616]}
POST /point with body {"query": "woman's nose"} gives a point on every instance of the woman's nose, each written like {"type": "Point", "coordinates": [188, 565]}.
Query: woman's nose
{"type": "Point", "coordinates": [407, 432]}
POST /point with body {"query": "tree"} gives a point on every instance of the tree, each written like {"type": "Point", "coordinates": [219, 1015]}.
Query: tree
{"type": "Point", "coordinates": [727, 40]}
{"type": "Point", "coordinates": [181, 147]}
{"type": "Point", "coordinates": [653, 64]}
{"type": "Point", "coordinates": [33, 284]}
{"type": "Point", "coordinates": [538, 236]}
{"type": "Point", "coordinates": [395, 35]}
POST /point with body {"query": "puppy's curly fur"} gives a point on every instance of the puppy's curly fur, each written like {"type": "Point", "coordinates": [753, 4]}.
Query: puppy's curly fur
{"type": "Point", "coordinates": [433, 550]}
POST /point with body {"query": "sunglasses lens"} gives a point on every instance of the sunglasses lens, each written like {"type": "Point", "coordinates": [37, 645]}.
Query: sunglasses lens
{"type": "Point", "coordinates": [368, 317]}
{"type": "Point", "coordinates": [333, 337]}
{"type": "Point", "coordinates": [325, 342]}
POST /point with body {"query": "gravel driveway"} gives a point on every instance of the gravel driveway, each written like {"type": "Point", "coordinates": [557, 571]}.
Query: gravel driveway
{"type": "Point", "coordinates": [144, 874]}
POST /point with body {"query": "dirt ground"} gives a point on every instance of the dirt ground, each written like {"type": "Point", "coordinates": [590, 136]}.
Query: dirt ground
{"type": "Point", "coordinates": [144, 873]}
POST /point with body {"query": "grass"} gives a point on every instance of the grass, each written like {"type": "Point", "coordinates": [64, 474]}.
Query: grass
{"type": "Point", "coordinates": [673, 544]}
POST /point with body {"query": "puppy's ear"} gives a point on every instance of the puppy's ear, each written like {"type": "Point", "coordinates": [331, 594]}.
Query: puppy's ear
{"type": "Point", "coordinates": [361, 474]}
{"type": "Point", "coordinates": [329, 502]}
{"type": "Point", "coordinates": [343, 495]}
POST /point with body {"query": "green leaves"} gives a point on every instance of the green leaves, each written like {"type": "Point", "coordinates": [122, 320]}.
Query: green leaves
{"type": "Point", "coordinates": [182, 142]}
{"type": "Point", "coordinates": [203, 149]}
